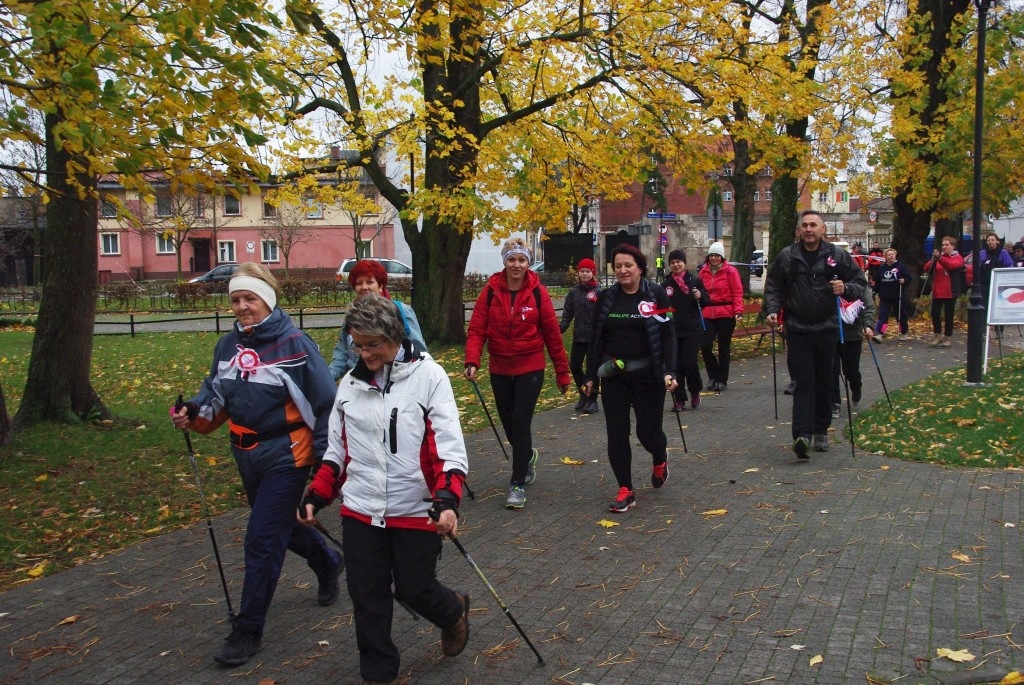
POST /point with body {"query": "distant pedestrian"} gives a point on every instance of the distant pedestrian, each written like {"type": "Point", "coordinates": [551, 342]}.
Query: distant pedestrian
{"type": "Point", "coordinates": [893, 279]}
{"type": "Point", "coordinates": [725, 307]}
{"type": "Point", "coordinates": [369, 276]}
{"type": "Point", "coordinates": [942, 271]}
{"type": "Point", "coordinates": [633, 352]}
{"type": "Point", "coordinates": [858, 321]}
{"type": "Point", "coordinates": [391, 531]}
{"type": "Point", "coordinates": [993, 256]}
{"type": "Point", "coordinates": [687, 297]}
{"type": "Point", "coordinates": [805, 280]}
{"type": "Point", "coordinates": [514, 317]}
{"type": "Point", "coordinates": [269, 383]}
{"type": "Point", "coordinates": [578, 310]}
{"type": "Point", "coordinates": [1018, 254]}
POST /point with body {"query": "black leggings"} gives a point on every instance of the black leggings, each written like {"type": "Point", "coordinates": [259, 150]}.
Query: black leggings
{"type": "Point", "coordinates": [940, 307]}
{"type": "Point", "coordinates": [720, 330]}
{"type": "Point", "coordinates": [645, 394]}
{"type": "Point", "coordinates": [516, 398]}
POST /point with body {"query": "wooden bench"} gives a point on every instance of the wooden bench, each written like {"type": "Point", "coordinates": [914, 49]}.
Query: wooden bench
{"type": "Point", "coordinates": [750, 324]}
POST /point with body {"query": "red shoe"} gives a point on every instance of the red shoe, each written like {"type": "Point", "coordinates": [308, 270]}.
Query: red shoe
{"type": "Point", "coordinates": [624, 501]}
{"type": "Point", "coordinates": [659, 474]}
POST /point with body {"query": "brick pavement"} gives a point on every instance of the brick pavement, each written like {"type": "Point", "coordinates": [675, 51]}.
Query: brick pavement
{"type": "Point", "coordinates": [847, 559]}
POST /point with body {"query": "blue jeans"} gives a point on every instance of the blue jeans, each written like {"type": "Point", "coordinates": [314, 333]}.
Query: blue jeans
{"type": "Point", "coordinates": [274, 498]}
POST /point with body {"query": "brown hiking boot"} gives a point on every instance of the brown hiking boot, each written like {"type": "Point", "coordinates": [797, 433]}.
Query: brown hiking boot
{"type": "Point", "coordinates": [455, 637]}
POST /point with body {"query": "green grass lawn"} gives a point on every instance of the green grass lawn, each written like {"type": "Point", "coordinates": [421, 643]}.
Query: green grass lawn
{"type": "Point", "coordinates": [69, 493]}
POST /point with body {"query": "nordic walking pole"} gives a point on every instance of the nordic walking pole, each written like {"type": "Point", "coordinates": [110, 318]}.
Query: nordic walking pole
{"type": "Point", "coordinates": [775, 382]}
{"type": "Point", "coordinates": [493, 427]}
{"type": "Point", "coordinates": [899, 315]}
{"type": "Point", "coordinates": [540, 660]}
{"type": "Point", "coordinates": [875, 357]}
{"type": "Point", "coordinates": [849, 411]}
{"type": "Point", "coordinates": [206, 509]}
{"type": "Point", "coordinates": [323, 531]}
{"type": "Point", "coordinates": [680, 422]}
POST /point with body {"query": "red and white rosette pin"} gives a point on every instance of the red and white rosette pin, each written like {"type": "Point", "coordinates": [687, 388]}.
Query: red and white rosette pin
{"type": "Point", "coordinates": [247, 359]}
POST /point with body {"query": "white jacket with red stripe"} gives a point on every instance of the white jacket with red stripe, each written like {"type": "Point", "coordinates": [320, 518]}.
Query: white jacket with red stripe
{"type": "Point", "coordinates": [398, 444]}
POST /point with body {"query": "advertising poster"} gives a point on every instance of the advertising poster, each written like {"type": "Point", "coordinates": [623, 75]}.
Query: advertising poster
{"type": "Point", "coordinates": [1006, 298]}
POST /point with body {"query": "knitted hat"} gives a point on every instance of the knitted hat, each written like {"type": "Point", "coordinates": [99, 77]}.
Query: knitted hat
{"type": "Point", "coordinates": [677, 254]}
{"type": "Point", "coordinates": [717, 248]}
{"type": "Point", "coordinates": [586, 264]}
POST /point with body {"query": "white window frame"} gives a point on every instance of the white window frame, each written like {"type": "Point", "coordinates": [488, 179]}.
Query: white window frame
{"type": "Point", "coordinates": [757, 196]}
{"type": "Point", "coordinates": [164, 245]}
{"type": "Point", "coordinates": [237, 208]}
{"type": "Point", "coordinates": [110, 237]}
{"type": "Point", "coordinates": [823, 197]}
{"type": "Point", "coordinates": [108, 210]}
{"type": "Point", "coordinates": [269, 210]}
{"type": "Point", "coordinates": [225, 251]}
{"type": "Point", "coordinates": [162, 205]}
{"type": "Point", "coordinates": [727, 170]}
{"type": "Point", "coordinates": [726, 196]}
{"type": "Point", "coordinates": [314, 210]}
{"type": "Point", "coordinates": [269, 252]}
{"type": "Point", "coordinates": [768, 195]}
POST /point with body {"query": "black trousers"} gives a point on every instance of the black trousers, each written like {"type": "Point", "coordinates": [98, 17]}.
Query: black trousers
{"type": "Point", "coordinates": [809, 357]}
{"type": "Point", "coordinates": [645, 395]}
{"type": "Point", "coordinates": [720, 330]}
{"type": "Point", "coordinates": [942, 311]}
{"type": "Point", "coordinates": [847, 358]}
{"type": "Point", "coordinates": [688, 372]}
{"type": "Point", "coordinates": [516, 397]}
{"type": "Point", "coordinates": [577, 358]}
{"type": "Point", "coordinates": [373, 558]}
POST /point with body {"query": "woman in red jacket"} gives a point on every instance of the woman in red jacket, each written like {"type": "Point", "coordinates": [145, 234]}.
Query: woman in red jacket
{"type": "Point", "coordinates": [945, 289]}
{"type": "Point", "coordinates": [723, 287]}
{"type": "Point", "coordinates": [516, 319]}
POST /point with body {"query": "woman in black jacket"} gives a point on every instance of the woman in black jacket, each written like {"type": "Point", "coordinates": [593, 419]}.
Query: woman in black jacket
{"type": "Point", "coordinates": [688, 298]}
{"type": "Point", "coordinates": [633, 352]}
{"type": "Point", "coordinates": [580, 304]}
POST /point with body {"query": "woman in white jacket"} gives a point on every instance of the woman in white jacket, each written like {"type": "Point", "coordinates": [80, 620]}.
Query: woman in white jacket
{"type": "Point", "coordinates": [394, 446]}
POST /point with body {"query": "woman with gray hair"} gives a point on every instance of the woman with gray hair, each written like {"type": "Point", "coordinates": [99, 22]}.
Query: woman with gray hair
{"type": "Point", "coordinates": [391, 529]}
{"type": "Point", "coordinates": [515, 318]}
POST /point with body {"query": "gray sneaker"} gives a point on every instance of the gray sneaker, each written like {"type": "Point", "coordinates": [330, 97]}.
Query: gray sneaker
{"type": "Point", "coordinates": [819, 442]}
{"type": "Point", "coordinates": [531, 469]}
{"type": "Point", "coordinates": [516, 497]}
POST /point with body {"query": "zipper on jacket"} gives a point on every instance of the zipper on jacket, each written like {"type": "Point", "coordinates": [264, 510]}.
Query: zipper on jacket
{"type": "Point", "coordinates": [393, 431]}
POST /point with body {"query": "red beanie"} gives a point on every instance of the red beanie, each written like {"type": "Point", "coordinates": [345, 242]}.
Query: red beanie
{"type": "Point", "coordinates": [586, 264]}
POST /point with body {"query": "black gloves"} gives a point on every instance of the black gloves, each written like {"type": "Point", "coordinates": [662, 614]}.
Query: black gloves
{"type": "Point", "coordinates": [442, 501]}
{"type": "Point", "coordinates": [316, 500]}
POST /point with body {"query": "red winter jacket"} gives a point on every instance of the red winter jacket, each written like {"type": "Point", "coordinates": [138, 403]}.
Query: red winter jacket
{"type": "Point", "coordinates": [724, 290]}
{"type": "Point", "coordinates": [942, 288]}
{"type": "Point", "coordinates": [516, 338]}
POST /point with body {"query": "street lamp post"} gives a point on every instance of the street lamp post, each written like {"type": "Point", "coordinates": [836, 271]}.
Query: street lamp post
{"type": "Point", "coordinates": [975, 311]}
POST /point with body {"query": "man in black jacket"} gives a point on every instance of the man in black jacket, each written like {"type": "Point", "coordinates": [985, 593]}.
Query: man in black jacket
{"type": "Point", "coordinates": [805, 281]}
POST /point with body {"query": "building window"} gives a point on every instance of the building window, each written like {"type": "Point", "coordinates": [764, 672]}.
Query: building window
{"type": "Point", "coordinates": [314, 210]}
{"type": "Point", "coordinates": [269, 210]}
{"type": "Point", "coordinates": [269, 249]}
{"type": "Point", "coordinates": [163, 205]}
{"type": "Point", "coordinates": [727, 170]}
{"type": "Point", "coordinates": [232, 206]}
{"type": "Point", "coordinates": [841, 196]}
{"type": "Point", "coordinates": [727, 196]}
{"type": "Point", "coordinates": [225, 250]}
{"type": "Point", "coordinates": [199, 204]}
{"type": "Point", "coordinates": [108, 210]}
{"type": "Point", "coordinates": [768, 171]}
{"type": "Point", "coordinates": [822, 197]}
{"type": "Point", "coordinates": [768, 195]}
{"type": "Point", "coordinates": [110, 243]}
{"type": "Point", "coordinates": [757, 196]}
{"type": "Point", "coordinates": [165, 243]}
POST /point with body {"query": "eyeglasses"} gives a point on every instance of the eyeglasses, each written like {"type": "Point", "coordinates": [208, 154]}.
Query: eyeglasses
{"type": "Point", "coordinates": [369, 348]}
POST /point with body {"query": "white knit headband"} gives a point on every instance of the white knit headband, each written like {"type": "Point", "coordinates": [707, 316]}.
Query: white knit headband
{"type": "Point", "coordinates": [255, 285]}
{"type": "Point", "coordinates": [517, 249]}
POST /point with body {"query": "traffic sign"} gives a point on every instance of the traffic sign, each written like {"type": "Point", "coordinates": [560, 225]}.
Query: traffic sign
{"type": "Point", "coordinates": [663, 239]}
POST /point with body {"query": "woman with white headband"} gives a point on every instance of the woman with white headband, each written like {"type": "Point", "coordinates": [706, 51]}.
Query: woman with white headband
{"type": "Point", "coordinates": [515, 318]}
{"type": "Point", "coordinates": [270, 384]}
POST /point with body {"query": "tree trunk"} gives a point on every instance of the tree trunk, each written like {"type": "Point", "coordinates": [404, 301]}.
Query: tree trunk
{"type": "Point", "coordinates": [58, 387]}
{"type": "Point", "coordinates": [5, 419]}
{"type": "Point", "coordinates": [910, 228]}
{"type": "Point", "coordinates": [743, 185]}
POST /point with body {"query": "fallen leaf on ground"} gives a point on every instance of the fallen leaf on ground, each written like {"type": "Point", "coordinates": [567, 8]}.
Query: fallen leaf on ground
{"type": "Point", "coordinates": [816, 659]}
{"type": "Point", "coordinates": [960, 556]}
{"type": "Point", "coordinates": [958, 655]}
{"type": "Point", "coordinates": [37, 570]}
{"type": "Point", "coordinates": [1012, 678]}
{"type": "Point", "coordinates": [753, 470]}
{"type": "Point", "coordinates": [69, 620]}
{"type": "Point", "coordinates": [714, 512]}
{"type": "Point", "coordinates": [572, 462]}
{"type": "Point", "coordinates": [607, 524]}
{"type": "Point", "coordinates": [796, 647]}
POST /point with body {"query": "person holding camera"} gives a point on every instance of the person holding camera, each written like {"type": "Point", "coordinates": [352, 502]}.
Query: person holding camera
{"type": "Point", "coordinates": [269, 383]}
{"type": "Point", "coordinates": [392, 532]}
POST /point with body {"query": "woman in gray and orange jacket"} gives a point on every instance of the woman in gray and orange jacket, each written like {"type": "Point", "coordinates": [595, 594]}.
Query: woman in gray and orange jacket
{"type": "Point", "coordinates": [269, 382]}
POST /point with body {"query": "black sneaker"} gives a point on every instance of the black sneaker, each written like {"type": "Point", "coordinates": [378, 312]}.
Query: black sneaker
{"type": "Point", "coordinates": [590, 407]}
{"type": "Point", "coordinates": [856, 392]}
{"type": "Point", "coordinates": [837, 410]}
{"type": "Point", "coordinates": [802, 447]}
{"type": "Point", "coordinates": [582, 403]}
{"type": "Point", "coordinates": [238, 647]}
{"type": "Point", "coordinates": [531, 469]}
{"type": "Point", "coordinates": [659, 474]}
{"type": "Point", "coordinates": [624, 501]}
{"type": "Point", "coordinates": [790, 389]}
{"type": "Point", "coordinates": [329, 588]}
